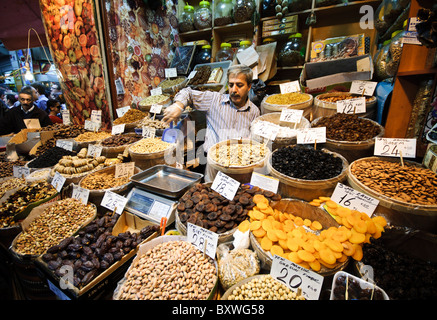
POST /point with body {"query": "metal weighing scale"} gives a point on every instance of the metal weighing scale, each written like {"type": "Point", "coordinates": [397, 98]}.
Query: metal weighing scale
{"type": "Point", "coordinates": [156, 191]}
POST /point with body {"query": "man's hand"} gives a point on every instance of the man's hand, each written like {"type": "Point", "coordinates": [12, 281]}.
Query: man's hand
{"type": "Point", "coordinates": [173, 112]}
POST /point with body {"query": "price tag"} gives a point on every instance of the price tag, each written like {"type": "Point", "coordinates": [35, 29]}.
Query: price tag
{"type": "Point", "coordinates": [122, 111]}
{"type": "Point", "coordinates": [58, 181]}
{"type": "Point", "coordinates": [118, 129]}
{"type": "Point", "coordinates": [96, 116]}
{"type": "Point", "coordinates": [91, 125]}
{"type": "Point", "coordinates": [311, 135]}
{"type": "Point", "coordinates": [292, 86]}
{"type": "Point", "coordinates": [291, 115]}
{"type": "Point", "coordinates": [353, 199]}
{"type": "Point", "coordinates": [266, 130]}
{"type": "Point", "coordinates": [124, 169]}
{"type": "Point", "coordinates": [156, 108]}
{"type": "Point", "coordinates": [203, 239]}
{"type": "Point", "coordinates": [192, 74]}
{"type": "Point", "coordinates": [295, 276]}
{"type": "Point", "coordinates": [65, 144]}
{"type": "Point", "coordinates": [264, 182]}
{"type": "Point", "coordinates": [225, 185]}
{"type": "Point", "coordinates": [66, 117]}
{"type": "Point", "coordinates": [351, 106]}
{"type": "Point", "coordinates": [94, 151]}
{"type": "Point", "coordinates": [19, 171]}
{"type": "Point", "coordinates": [170, 72]}
{"type": "Point", "coordinates": [80, 194]}
{"type": "Point", "coordinates": [112, 200]}
{"type": "Point", "coordinates": [394, 147]}
{"type": "Point", "coordinates": [360, 87]}
{"type": "Point", "coordinates": [148, 132]}
{"type": "Point", "coordinates": [156, 91]}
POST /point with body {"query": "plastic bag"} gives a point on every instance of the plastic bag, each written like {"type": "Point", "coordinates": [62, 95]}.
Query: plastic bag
{"type": "Point", "coordinates": [235, 265]}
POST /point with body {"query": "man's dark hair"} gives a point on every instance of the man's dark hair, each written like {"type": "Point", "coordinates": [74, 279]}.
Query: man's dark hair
{"type": "Point", "coordinates": [39, 87]}
{"type": "Point", "coordinates": [27, 90]}
{"type": "Point", "coordinates": [51, 103]}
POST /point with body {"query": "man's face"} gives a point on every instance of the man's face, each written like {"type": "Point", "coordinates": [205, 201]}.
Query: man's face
{"type": "Point", "coordinates": [26, 101]}
{"type": "Point", "coordinates": [238, 89]}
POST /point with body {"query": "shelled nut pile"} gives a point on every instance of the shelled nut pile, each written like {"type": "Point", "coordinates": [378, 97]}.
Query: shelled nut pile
{"type": "Point", "coordinates": [132, 115]}
{"type": "Point", "coordinates": [264, 288]}
{"type": "Point", "coordinates": [103, 180]}
{"type": "Point", "coordinates": [173, 270]}
{"type": "Point", "coordinates": [7, 167]}
{"type": "Point", "coordinates": [150, 145]}
{"type": "Point", "coordinates": [10, 184]}
{"type": "Point", "coordinates": [23, 197]}
{"type": "Point", "coordinates": [407, 183]}
{"type": "Point", "coordinates": [240, 154]}
{"type": "Point", "coordinates": [58, 221]}
{"type": "Point", "coordinates": [90, 136]}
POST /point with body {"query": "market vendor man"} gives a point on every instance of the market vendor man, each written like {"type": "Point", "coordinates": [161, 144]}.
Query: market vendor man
{"type": "Point", "coordinates": [13, 121]}
{"type": "Point", "coordinates": [228, 116]}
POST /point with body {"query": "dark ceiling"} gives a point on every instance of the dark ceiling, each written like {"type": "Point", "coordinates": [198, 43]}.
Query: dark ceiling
{"type": "Point", "coordinates": [16, 18]}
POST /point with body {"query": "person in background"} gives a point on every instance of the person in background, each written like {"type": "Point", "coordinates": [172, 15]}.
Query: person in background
{"type": "Point", "coordinates": [10, 99]}
{"type": "Point", "coordinates": [54, 106]}
{"type": "Point", "coordinates": [55, 90]}
{"type": "Point", "coordinates": [13, 121]}
{"type": "Point", "coordinates": [41, 101]}
{"type": "Point", "coordinates": [3, 107]}
{"type": "Point", "coordinates": [228, 116]}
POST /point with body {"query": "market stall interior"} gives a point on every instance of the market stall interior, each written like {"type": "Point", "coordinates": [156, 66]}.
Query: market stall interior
{"type": "Point", "coordinates": [326, 173]}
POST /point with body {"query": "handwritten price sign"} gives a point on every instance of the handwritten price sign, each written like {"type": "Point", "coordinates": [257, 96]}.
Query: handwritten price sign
{"type": "Point", "coordinates": [80, 194]}
{"type": "Point", "coordinates": [113, 201]}
{"type": "Point", "coordinates": [353, 199]}
{"type": "Point", "coordinates": [124, 169]}
{"type": "Point", "coordinates": [311, 135]}
{"type": "Point", "coordinates": [20, 171]}
{"type": "Point", "coordinates": [225, 185]}
{"type": "Point", "coordinates": [295, 276]}
{"type": "Point", "coordinates": [58, 181]}
{"type": "Point", "coordinates": [203, 239]}
{"type": "Point", "coordinates": [291, 115]}
{"type": "Point", "coordinates": [395, 147]}
{"type": "Point", "coordinates": [351, 106]}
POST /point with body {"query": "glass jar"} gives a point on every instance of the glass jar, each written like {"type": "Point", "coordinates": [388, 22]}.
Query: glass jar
{"type": "Point", "coordinates": [299, 5]}
{"type": "Point", "coordinates": [395, 50]}
{"type": "Point", "coordinates": [204, 55]}
{"type": "Point", "coordinates": [381, 62]}
{"type": "Point", "coordinates": [225, 52]}
{"type": "Point", "coordinates": [203, 16]}
{"type": "Point", "coordinates": [244, 45]}
{"type": "Point", "coordinates": [186, 20]}
{"type": "Point", "coordinates": [243, 10]}
{"type": "Point", "coordinates": [223, 13]}
{"type": "Point", "coordinates": [386, 14]}
{"type": "Point", "coordinates": [292, 54]}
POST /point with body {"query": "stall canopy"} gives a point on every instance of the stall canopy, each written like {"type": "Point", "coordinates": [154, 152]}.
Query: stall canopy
{"type": "Point", "coordinates": [16, 18]}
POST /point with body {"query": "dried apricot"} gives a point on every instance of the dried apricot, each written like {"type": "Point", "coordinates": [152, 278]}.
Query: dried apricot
{"type": "Point", "coordinates": [316, 225]}
{"type": "Point", "coordinates": [266, 224]}
{"type": "Point", "coordinates": [259, 233]}
{"type": "Point", "coordinates": [271, 234]}
{"type": "Point", "coordinates": [357, 237]}
{"type": "Point", "coordinates": [258, 215]}
{"type": "Point", "coordinates": [244, 226]}
{"type": "Point", "coordinates": [292, 244]}
{"type": "Point", "coordinates": [360, 226]}
{"type": "Point", "coordinates": [340, 236]}
{"type": "Point", "coordinates": [334, 245]}
{"type": "Point", "coordinates": [343, 212]}
{"type": "Point", "coordinates": [262, 205]}
{"type": "Point", "coordinates": [266, 244]}
{"type": "Point", "coordinates": [306, 256]}
{"type": "Point", "coordinates": [293, 257]}
{"type": "Point", "coordinates": [280, 234]}
{"type": "Point", "coordinates": [315, 265]}
{"type": "Point", "coordinates": [380, 220]}
{"type": "Point", "coordinates": [298, 221]}
{"type": "Point", "coordinates": [276, 249]}
{"type": "Point", "coordinates": [327, 256]}
{"type": "Point", "coordinates": [255, 225]}
{"type": "Point", "coordinates": [309, 247]}
{"type": "Point", "coordinates": [258, 198]}
{"type": "Point", "coordinates": [358, 254]}
{"type": "Point", "coordinates": [371, 228]}
{"type": "Point", "coordinates": [307, 222]}
{"type": "Point", "coordinates": [331, 204]}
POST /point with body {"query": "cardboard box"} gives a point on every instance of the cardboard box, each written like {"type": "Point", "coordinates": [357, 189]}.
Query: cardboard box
{"type": "Point", "coordinates": [105, 282]}
{"type": "Point", "coordinates": [338, 48]}
{"type": "Point", "coordinates": [318, 77]}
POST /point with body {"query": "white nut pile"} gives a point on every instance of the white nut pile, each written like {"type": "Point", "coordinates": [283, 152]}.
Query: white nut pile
{"type": "Point", "coordinates": [264, 288]}
{"type": "Point", "coordinates": [173, 270]}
